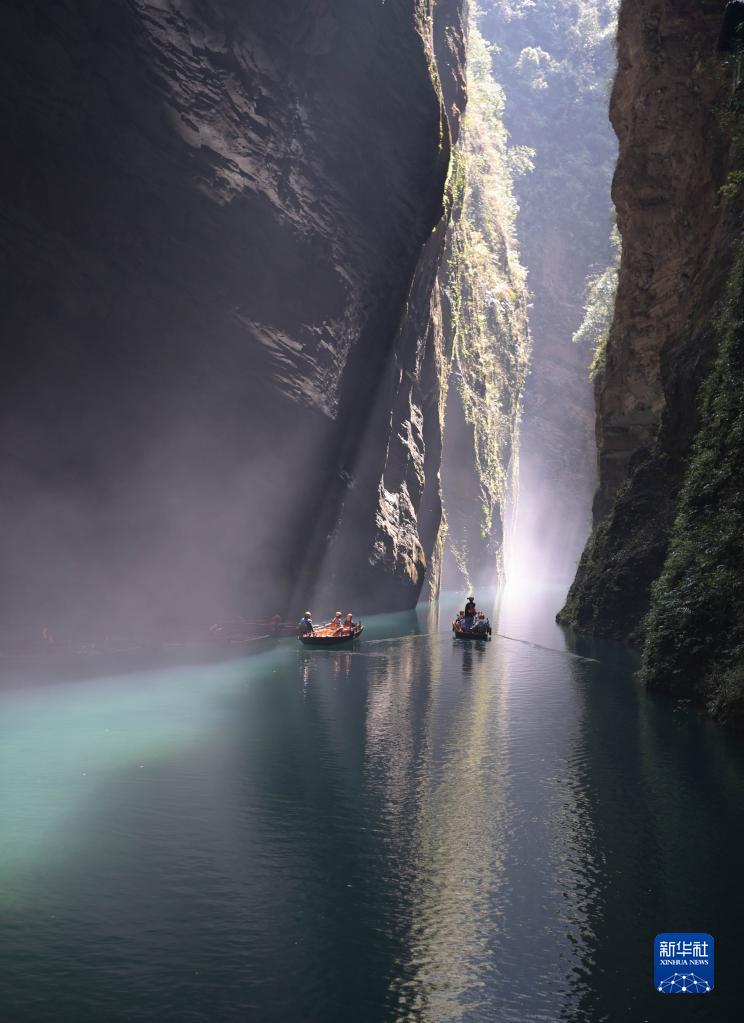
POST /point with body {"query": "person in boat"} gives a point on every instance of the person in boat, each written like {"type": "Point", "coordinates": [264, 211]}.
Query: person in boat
{"type": "Point", "coordinates": [305, 625]}
{"type": "Point", "coordinates": [336, 622]}
{"type": "Point", "coordinates": [470, 607]}
{"type": "Point", "coordinates": [349, 622]}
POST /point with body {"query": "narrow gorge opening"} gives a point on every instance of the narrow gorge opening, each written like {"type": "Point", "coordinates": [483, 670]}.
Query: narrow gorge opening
{"type": "Point", "coordinates": [529, 280]}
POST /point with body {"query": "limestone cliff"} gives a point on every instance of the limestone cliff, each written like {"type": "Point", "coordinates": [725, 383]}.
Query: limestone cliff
{"type": "Point", "coordinates": [670, 108]}
{"type": "Point", "coordinates": [487, 338]}
{"type": "Point", "coordinates": [554, 59]}
{"type": "Point", "coordinates": [694, 633]}
{"type": "Point", "coordinates": [221, 367]}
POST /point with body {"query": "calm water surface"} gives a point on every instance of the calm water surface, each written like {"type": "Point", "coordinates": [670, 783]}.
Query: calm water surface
{"type": "Point", "coordinates": [415, 830]}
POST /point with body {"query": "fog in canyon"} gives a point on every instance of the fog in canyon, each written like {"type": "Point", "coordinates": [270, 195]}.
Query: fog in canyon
{"type": "Point", "coordinates": [309, 302]}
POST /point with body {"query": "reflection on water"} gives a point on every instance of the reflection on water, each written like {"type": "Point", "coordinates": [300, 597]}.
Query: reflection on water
{"type": "Point", "coordinates": [412, 829]}
{"type": "Point", "coordinates": [456, 846]}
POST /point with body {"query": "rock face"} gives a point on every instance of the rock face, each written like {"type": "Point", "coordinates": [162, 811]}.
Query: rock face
{"type": "Point", "coordinates": [222, 373]}
{"type": "Point", "coordinates": [487, 337]}
{"type": "Point", "coordinates": [694, 633]}
{"type": "Point", "coordinates": [670, 103]}
{"type": "Point", "coordinates": [553, 58]}
{"type": "Point", "coordinates": [666, 192]}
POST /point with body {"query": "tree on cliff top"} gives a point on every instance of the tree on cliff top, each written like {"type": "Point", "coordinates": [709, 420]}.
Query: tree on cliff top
{"type": "Point", "coordinates": [552, 58]}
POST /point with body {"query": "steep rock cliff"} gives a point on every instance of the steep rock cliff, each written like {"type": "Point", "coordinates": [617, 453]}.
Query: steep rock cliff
{"type": "Point", "coordinates": [382, 503]}
{"type": "Point", "coordinates": [212, 257]}
{"type": "Point", "coordinates": [656, 429]}
{"type": "Point", "coordinates": [554, 59]}
{"type": "Point", "coordinates": [485, 321]}
{"type": "Point", "coordinates": [694, 634]}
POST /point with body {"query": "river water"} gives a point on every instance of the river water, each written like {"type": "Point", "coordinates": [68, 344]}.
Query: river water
{"type": "Point", "coordinates": [413, 830]}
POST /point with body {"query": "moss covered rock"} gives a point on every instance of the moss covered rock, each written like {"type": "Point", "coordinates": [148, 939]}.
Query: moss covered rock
{"type": "Point", "coordinates": [695, 629]}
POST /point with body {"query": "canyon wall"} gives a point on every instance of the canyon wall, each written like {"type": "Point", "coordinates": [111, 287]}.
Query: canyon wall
{"type": "Point", "coordinates": [554, 60]}
{"type": "Point", "coordinates": [486, 333]}
{"type": "Point", "coordinates": [222, 363]}
{"type": "Point", "coordinates": [667, 398]}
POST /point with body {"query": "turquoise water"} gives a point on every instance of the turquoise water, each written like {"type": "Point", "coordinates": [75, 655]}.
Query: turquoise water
{"type": "Point", "coordinates": [410, 830]}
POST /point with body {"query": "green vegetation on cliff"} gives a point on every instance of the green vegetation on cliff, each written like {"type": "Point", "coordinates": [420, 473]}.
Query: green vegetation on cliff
{"type": "Point", "coordinates": [485, 288]}
{"type": "Point", "coordinates": [695, 628]}
{"type": "Point", "coordinates": [665, 565]}
{"type": "Point", "coordinates": [553, 59]}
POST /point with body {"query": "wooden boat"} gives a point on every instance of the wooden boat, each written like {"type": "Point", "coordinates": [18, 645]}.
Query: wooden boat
{"type": "Point", "coordinates": [328, 637]}
{"type": "Point", "coordinates": [482, 630]}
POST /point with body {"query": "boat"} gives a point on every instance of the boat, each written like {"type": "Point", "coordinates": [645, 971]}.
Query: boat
{"type": "Point", "coordinates": [481, 628]}
{"type": "Point", "coordinates": [326, 637]}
